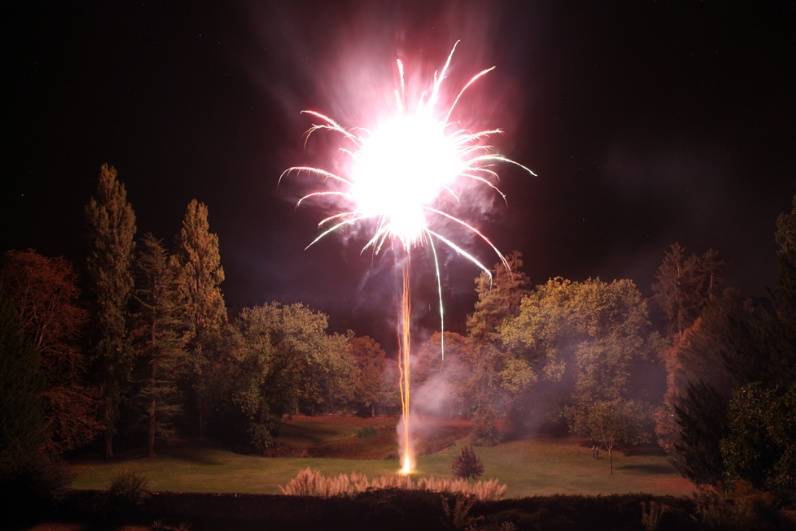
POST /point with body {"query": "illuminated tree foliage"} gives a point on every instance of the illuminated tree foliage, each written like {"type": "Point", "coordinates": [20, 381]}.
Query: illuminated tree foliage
{"type": "Point", "coordinates": [199, 279]}
{"type": "Point", "coordinates": [159, 339]}
{"type": "Point", "coordinates": [288, 363]}
{"type": "Point", "coordinates": [111, 224]}
{"type": "Point", "coordinates": [369, 360]}
{"type": "Point", "coordinates": [45, 296]}
{"type": "Point", "coordinates": [497, 374]}
{"type": "Point", "coordinates": [594, 329]}
{"type": "Point", "coordinates": [498, 300]}
{"type": "Point", "coordinates": [684, 284]}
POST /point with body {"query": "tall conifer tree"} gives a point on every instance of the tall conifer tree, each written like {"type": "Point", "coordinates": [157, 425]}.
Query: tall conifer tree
{"type": "Point", "coordinates": [111, 225]}
{"type": "Point", "coordinates": [159, 338]}
{"type": "Point", "coordinates": [199, 279]}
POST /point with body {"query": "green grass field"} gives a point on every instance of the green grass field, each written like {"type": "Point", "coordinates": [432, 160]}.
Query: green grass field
{"type": "Point", "coordinates": [529, 467]}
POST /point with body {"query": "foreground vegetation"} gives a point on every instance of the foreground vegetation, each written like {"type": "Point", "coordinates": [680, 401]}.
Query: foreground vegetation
{"type": "Point", "coordinates": [401, 510]}
{"type": "Point", "coordinates": [309, 482]}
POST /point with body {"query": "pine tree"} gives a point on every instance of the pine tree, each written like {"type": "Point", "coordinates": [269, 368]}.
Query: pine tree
{"type": "Point", "coordinates": [199, 279]}
{"type": "Point", "coordinates": [111, 223]}
{"type": "Point", "coordinates": [159, 338]}
{"type": "Point", "coordinates": [467, 464]}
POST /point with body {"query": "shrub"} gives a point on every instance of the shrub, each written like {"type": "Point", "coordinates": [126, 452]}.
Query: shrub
{"type": "Point", "coordinates": [128, 489]}
{"type": "Point", "coordinates": [457, 513]}
{"type": "Point", "coordinates": [367, 432]}
{"type": "Point", "coordinates": [260, 438]}
{"type": "Point", "coordinates": [761, 445]}
{"type": "Point", "coordinates": [651, 514]}
{"type": "Point", "coordinates": [467, 465]}
{"type": "Point", "coordinates": [741, 507]}
{"type": "Point", "coordinates": [485, 431]}
{"type": "Point", "coordinates": [309, 482]}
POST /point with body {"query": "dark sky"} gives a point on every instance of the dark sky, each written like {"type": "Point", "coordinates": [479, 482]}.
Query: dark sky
{"type": "Point", "coordinates": [648, 122]}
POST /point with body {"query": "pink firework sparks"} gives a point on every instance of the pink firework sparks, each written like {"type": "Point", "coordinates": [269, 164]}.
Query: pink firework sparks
{"type": "Point", "coordinates": [404, 172]}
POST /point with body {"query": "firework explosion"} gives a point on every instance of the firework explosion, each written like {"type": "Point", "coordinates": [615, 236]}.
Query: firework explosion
{"type": "Point", "coordinates": [402, 179]}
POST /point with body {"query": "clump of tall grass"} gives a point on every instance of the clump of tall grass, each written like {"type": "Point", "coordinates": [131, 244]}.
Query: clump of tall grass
{"type": "Point", "coordinates": [129, 487]}
{"type": "Point", "coordinates": [309, 482]}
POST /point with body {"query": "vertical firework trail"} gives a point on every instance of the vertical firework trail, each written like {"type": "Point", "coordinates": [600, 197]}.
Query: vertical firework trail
{"type": "Point", "coordinates": [401, 180]}
{"type": "Point", "coordinates": [404, 368]}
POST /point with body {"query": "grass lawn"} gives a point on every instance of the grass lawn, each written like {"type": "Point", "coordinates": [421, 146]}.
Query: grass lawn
{"type": "Point", "coordinates": [528, 467]}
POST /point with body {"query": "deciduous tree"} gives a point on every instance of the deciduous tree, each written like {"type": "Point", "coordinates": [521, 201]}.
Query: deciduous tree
{"type": "Point", "coordinates": [497, 300]}
{"type": "Point", "coordinates": [597, 327]}
{"type": "Point", "coordinates": [291, 363]}
{"type": "Point", "coordinates": [45, 296]}
{"type": "Point", "coordinates": [497, 374]}
{"type": "Point", "coordinates": [685, 283]}
{"type": "Point", "coordinates": [22, 429]}
{"type": "Point", "coordinates": [369, 360]}
{"type": "Point", "coordinates": [611, 423]}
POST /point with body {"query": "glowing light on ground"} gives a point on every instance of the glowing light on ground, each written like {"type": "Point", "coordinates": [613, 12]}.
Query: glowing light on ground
{"type": "Point", "coordinates": [402, 180]}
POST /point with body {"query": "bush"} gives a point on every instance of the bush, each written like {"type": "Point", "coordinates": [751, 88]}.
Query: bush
{"type": "Point", "coordinates": [260, 438]}
{"type": "Point", "coordinates": [367, 432]}
{"type": "Point", "coordinates": [761, 445]}
{"type": "Point", "coordinates": [485, 431]}
{"type": "Point", "coordinates": [467, 465]}
{"type": "Point", "coordinates": [128, 490]}
{"type": "Point", "coordinates": [651, 514]}
{"type": "Point", "coordinates": [457, 513]}
{"type": "Point", "coordinates": [740, 507]}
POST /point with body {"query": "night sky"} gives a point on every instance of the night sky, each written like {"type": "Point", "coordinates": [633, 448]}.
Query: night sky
{"type": "Point", "coordinates": [648, 122]}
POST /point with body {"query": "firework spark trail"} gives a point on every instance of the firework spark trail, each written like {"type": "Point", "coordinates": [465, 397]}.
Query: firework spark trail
{"type": "Point", "coordinates": [404, 368]}
{"type": "Point", "coordinates": [399, 177]}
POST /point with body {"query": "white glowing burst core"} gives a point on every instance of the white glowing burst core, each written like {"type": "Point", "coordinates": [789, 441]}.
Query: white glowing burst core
{"type": "Point", "coordinates": [401, 169]}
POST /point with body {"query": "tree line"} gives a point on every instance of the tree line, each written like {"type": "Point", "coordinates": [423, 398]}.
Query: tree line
{"type": "Point", "coordinates": [580, 357]}
{"type": "Point", "coordinates": [149, 350]}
